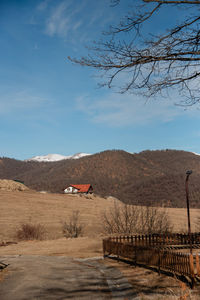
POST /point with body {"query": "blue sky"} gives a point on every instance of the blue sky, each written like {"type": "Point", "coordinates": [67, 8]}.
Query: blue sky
{"type": "Point", "coordinates": [49, 105]}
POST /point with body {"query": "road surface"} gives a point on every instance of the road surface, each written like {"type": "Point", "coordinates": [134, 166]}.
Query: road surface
{"type": "Point", "coordinates": [57, 277]}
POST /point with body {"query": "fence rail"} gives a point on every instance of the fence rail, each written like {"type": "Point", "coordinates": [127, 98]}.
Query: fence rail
{"type": "Point", "coordinates": [147, 250]}
{"type": "Point", "coordinates": [159, 239]}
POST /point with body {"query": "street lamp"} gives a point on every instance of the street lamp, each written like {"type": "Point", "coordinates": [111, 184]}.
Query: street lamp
{"type": "Point", "coordinates": [188, 173]}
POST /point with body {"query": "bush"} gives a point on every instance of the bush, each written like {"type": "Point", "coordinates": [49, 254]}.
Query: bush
{"type": "Point", "coordinates": [72, 228]}
{"type": "Point", "coordinates": [124, 218]}
{"type": "Point", "coordinates": [154, 220]}
{"type": "Point", "coordinates": [121, 218]}
{"type": "Point", "coordinates": [29, 231]}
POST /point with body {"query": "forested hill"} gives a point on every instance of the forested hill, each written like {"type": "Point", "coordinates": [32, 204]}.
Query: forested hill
{"type": "Point", "coordinates": [150, 176]}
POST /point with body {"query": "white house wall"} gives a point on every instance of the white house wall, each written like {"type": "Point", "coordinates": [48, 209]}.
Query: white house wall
{"type": "Point", "coordinates": [70, 190]}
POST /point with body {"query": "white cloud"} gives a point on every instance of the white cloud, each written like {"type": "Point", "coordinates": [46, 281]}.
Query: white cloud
{"type": "Point", "coordinates": [57, 23]}
{"type": "Point", "coordinates": [73, 19]}
{"type": "Point", "coordinates": [118, 110]}
{"type": "Point", "coordinates": [17, 102]}
{"type": "Point", "coordinates": [62, 19]}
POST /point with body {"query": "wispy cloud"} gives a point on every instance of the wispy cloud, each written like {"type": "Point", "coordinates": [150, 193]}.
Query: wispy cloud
{"type": "Point", "coordinates": [19, 102]}
{"type": "Point", "coordinates": [67, 18]}
{"type": "Point", "coordinates": [118, 110]}
{"type": "Point", "coordinates": [63, 19]}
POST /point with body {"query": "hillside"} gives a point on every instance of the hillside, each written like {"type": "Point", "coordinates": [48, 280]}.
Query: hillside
{"type": "Point", "coordinates": [150, 176]}
{"type": "Point", "coordinates": [52, 209]}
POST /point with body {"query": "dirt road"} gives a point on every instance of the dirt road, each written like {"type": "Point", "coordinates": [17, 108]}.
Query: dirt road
{"type": "Point", "coordinates": [53, 277]}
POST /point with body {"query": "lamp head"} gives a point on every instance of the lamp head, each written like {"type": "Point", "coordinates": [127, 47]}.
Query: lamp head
{"type": "Point", "coordinates": [189, 172]}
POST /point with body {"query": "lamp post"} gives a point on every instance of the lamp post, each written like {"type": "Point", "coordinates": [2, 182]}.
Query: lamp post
{"type": "Point", "coordinates": [188, 173]}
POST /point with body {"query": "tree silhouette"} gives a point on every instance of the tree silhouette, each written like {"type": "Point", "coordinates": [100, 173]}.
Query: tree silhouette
{"type": "Point", "coordinates": [152, 64]}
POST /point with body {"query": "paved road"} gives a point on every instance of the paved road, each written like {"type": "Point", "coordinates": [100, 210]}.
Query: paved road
{"type": "Point", "coordinates": [50, 277]}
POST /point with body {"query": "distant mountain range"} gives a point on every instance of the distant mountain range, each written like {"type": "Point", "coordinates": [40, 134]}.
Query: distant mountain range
{"type": "Point", "coordinates": [56, 157]}
{"type": "Point", "coordinates": [148, 177]}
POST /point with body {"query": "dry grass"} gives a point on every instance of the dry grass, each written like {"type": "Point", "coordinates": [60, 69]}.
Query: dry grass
{"type": "Point", "coordinates": [51, 210]}
{"type": "Point", "coordinates": [10, 185]}
{"type": "Point", "coordinates": [81, 247]}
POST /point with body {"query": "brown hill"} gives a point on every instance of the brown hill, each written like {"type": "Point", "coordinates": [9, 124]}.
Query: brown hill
{"type": "Point", "coordinates": [150, 176]}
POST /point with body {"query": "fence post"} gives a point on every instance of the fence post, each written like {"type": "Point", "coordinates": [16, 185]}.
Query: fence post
{"type": "Point", "coordinates": [191, 259]}
{"type": "Point", "coordinates": [135, 255]}
{"type": "Point", "coordinates": [197, 264]}
{"type": "Point", "coordinates": [117, 249]}
{"type": "Point", "coordinates": [104, 250]}
{"type": "Point", "coordinates": [181, 238]}
{"type": "Point", "coordinates": [150, 240]}
{"type": "Point", "coordinates": [159, 261]}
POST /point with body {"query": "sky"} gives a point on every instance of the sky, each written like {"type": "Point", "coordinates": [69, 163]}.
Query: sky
{"type": "Point", "coordinates": [50, 105]}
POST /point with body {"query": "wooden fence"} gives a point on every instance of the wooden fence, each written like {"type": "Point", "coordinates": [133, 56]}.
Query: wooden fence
{"type": "Point", "coordinates": [159, 239]}
{"type": "Point", "coordinates": [147, 250]}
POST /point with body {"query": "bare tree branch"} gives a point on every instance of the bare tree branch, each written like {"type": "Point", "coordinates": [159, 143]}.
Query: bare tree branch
{"type": "Point", "coordinates": [152, 64]}
{"type": "Point", "coordinates": [134, 23]}
{"type": "Point", "coordinates": [173, 2]}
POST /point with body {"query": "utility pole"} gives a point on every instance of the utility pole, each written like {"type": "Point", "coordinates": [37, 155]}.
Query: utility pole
{"type": "Point", "coordinates": [188, 173]}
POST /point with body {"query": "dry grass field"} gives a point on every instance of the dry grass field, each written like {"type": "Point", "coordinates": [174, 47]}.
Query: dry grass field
{"type": "Point", "coordinates": [50, 210]}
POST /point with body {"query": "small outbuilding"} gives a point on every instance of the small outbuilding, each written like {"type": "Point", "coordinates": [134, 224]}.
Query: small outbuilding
{"type": "Point", "coordinates": [79, 188]}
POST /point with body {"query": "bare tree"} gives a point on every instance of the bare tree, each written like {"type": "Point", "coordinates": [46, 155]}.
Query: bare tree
{"type": "Point", "coordinates": [72, 228]}
{"type": "Point", "coordinates": [154, 220]}
{"type": "Point", "coordinates": [153, 63]}
{"type": "Point", "coordinates": [121, 219]}
{"type": "Point", "coordinates": [127, 219]}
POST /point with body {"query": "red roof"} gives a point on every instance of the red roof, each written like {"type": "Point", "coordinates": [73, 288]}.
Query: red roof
{"type": "Point", "coordinates": [82, 188]}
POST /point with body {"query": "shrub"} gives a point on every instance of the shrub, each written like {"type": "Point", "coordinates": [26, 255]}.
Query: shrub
{"type": "Point", "coordinates": [29, 231]}
{"type": "Point", "coordinates": [72, 228]}
{"type": "Point", "coordinates": [154, 220]}
{"type": "Point", "coordinates": [121, 218]}
{"type": "Point", "coordinates": [124, 218]}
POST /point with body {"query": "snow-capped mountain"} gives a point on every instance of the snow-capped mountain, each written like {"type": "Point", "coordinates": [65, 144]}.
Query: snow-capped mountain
{"type": "Point", "coordinates": [79, 155]}
{"type": "Point", "coordinates": [195, 153]}
{"type": "Point", "coordinates": [56, 157]}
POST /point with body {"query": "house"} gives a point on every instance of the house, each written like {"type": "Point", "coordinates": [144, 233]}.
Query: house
{"type": "Point", "coordinates": [79, 188]}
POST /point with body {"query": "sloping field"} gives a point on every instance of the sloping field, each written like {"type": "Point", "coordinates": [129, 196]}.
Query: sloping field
{"type": "Point", "coordinates": [51, 210]}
